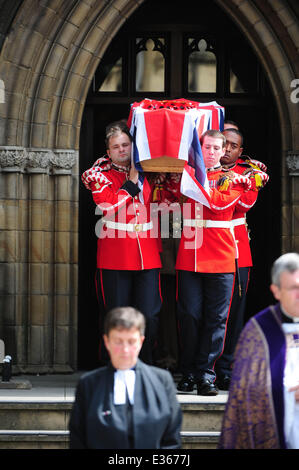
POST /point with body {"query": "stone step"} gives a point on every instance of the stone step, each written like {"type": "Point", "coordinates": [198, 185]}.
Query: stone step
{"type": "Point", "coordinates": [38, 418]}
{"type": "Point", "coordinates": [46, 439]}
{"type": "Point", "coordinates": [35, 416]}
{"type": "Point", "coordinates": [34, 439]}
{"type": "Point", "coordinates": [200, 440]}
{"type": "Point", "coordinates": [201, 417]}
{"type": "Point", "coordinates": [29, 425]}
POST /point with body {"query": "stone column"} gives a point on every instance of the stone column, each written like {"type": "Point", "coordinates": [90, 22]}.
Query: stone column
{"type": "Point", "coordinates": [38, 258]}
{"type": "Point", "coordinates": [65, 260]}
{"type": "Point", "coordinates": [14, 253]}
{"type": "Point", "coordinates": [292, 162]}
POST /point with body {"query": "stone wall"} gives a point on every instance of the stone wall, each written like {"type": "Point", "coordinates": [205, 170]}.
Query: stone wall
{"type": "Point", "coordinates": [38, 269]}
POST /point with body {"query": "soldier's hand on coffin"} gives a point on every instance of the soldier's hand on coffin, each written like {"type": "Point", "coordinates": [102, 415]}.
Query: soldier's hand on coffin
{"type": "Point", "coordinates": [133, 175]}
{"type": "Point", "coordinates": [160, 178]}
{"type": "Point", "coordinates": [175, 177]}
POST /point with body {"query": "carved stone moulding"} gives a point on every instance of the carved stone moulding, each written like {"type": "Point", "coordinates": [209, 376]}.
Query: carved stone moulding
{"type": "Point", "coordinates": [13, 159]}
{"type": "Point", "coordinates": [37, 160]}
{"type": "Point", "coordinates": [62, 161]}
{"type": "Point", "coordinates": [293, 163]}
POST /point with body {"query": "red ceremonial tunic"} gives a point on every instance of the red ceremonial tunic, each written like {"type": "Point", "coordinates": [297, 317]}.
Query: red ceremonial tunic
{"type": "Point", "coordinates": [207, 244]}
{"type": "Point", "coordinates": [239, 216]}
{"type": "Point", "coordinates": [126, 240]}
{"type": "Point", "coordinates": [210, 250]}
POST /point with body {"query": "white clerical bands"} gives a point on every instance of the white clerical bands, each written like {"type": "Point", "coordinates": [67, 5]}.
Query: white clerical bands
{"type": "Point", "coordinates": [124, 381]}
{"type": "Point", "coordinates": [199, 223]}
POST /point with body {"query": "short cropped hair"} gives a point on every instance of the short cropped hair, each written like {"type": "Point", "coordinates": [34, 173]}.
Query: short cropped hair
{"type": "Point", "coordinates": [235, 131]}
{"type": "Point", "coordinates": [116, 128]}
{"type": "Point", "coordinates": [124, 318]}
{"type": "Point", "coordinates": [288, 262]}
{"type": "Point", "coordinates": [231, 123]}
{"type": "Point", "coordinates": [213, 133]}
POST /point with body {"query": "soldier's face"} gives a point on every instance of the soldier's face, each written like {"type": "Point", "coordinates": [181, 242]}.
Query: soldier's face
{"type": "Point", "coordinates": [123, 347]}
{"type": "Point", "coordinates": [119, 149]}
{"type": "Point", "coordinates": [233, 149]}
{"type": "Point", "coordinates": [288, 292]}
{"type": "Point", "coordinates": [212, 151]}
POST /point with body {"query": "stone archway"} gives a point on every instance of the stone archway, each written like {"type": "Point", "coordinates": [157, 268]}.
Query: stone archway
{"type": "Point", "coordinates": [47, 63]}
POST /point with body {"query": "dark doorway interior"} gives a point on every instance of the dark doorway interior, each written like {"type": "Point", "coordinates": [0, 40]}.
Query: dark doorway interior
{"type": "Point", "coordinates": [241, 87]}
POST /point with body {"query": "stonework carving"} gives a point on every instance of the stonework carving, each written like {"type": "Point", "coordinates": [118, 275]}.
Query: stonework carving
{"type": "Point", "coordinates": [13, 159]}
{"type": "Point", "coordinates": [32, 160]}
{"type": "Point", "coordinates": [38, 160]}
{"type": "Point", "coordinates": [63, 161]}
{"type": "Point", "coordinates": [293, 163]}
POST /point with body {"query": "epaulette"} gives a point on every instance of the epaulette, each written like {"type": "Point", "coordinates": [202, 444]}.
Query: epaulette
{"type": "Point", "coordinates": [255, 164]}
{"type": "Point", "coordinates": [224, 181]}
{"type": "Point", "coordinates": [95, 173]}
{"type": "Point", "coordinates": [230, 178]}
{"type": "Point", "coordinates": [103, 164]}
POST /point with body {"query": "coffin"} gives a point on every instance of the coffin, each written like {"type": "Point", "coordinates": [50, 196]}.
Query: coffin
{"type": "Point", "coordinates": [163, 164]}
{"type": "Point", "coordinates": [165, 131]}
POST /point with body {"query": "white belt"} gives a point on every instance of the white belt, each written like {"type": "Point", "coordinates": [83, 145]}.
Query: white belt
{"type": "Point", "coordinates": [128, 227]}
{"type": "Point", "coordinates": [200, 223]}
{"type": "Point", "coordinates": [240, 221]}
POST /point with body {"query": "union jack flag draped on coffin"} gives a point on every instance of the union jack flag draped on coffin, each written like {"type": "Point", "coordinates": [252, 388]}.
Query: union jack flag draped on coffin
{"type": "Point", "coordinates": [173, 128]}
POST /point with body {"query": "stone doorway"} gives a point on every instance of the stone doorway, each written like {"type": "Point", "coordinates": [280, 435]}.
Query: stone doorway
{"type": "Point", "coordinates": [251, 105]}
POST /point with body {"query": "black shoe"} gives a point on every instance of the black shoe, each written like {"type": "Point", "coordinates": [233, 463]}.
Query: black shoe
{"type": "Point", "coordinates": [223, 382]}
{"type": "Point", "coordinates": [207, 388]}
{"type": "Point", "coordinates": [187, 383]}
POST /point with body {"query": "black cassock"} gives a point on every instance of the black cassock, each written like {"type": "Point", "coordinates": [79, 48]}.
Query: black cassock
{"type": "Point", "coordinates": [152, 422]}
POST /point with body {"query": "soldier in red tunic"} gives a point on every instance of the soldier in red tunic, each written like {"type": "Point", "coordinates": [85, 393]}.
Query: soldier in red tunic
{"type": "Point", "coordinates": [206, 268]}
{"type": "Point", "coordinates": [128, 259]}
{"type": "Point", "coordinates": [234, 161]}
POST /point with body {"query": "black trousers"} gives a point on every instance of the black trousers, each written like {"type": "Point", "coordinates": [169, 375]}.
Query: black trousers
{"type": "Point", "coordinates": [139, 289]}
{"type": "Point", "coordinates": [235, 323]}
{"type": "Point", "coordinates": [203, 307]}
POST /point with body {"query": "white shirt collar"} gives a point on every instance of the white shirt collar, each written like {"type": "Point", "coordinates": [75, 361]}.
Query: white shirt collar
{"type": "Point", "coordinates": [294, 319]}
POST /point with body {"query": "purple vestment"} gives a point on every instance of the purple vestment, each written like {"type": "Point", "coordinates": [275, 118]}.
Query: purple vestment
{"type": "Point", "coordinates": [254, 415]}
